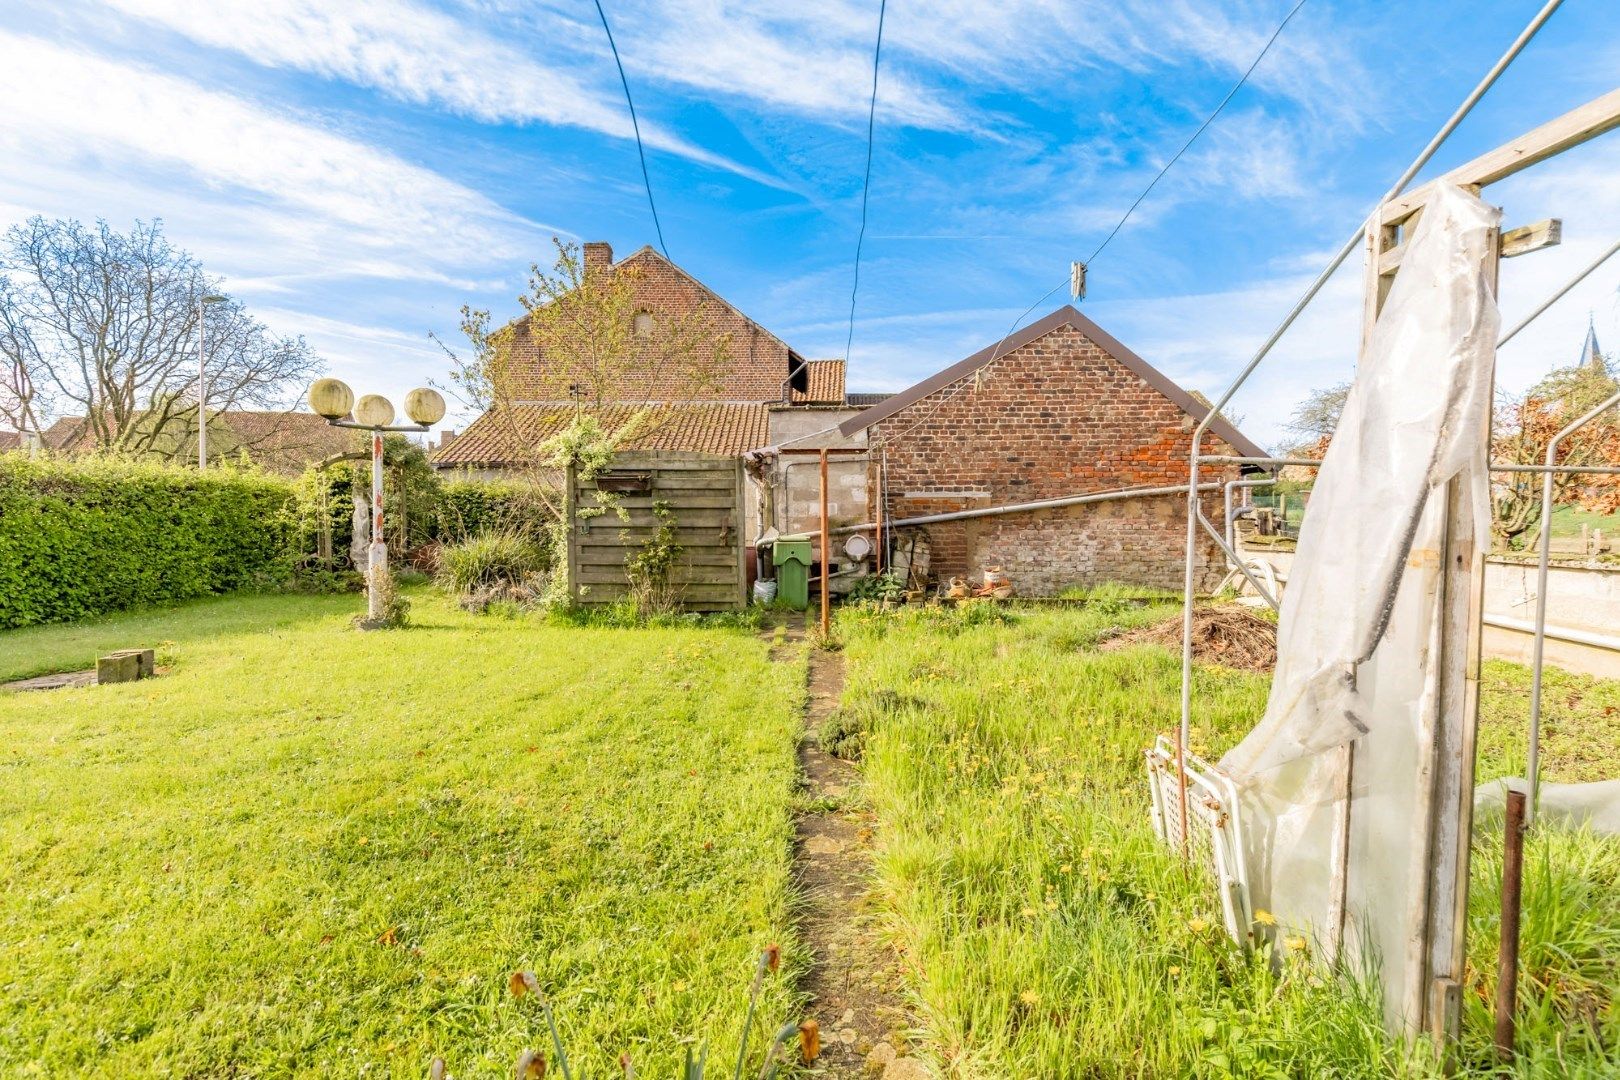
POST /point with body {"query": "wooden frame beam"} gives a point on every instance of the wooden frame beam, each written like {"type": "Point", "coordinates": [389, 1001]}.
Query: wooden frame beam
{"type": "Point", "coordinates": [1549, 140]}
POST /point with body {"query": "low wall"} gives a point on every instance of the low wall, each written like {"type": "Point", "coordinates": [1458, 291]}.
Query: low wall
{"type": "Point", "coordinates": [1579, 598]}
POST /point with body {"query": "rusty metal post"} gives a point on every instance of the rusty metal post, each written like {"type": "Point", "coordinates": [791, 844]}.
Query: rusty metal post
{"type": "Point", "coordinates": [879, 518]}
{"type": "Point", "coordinates": [1507, 962]}
{"type": "Point", "coordinates": [377, 557]}
{"type": "Point", "coordinates": [826, 553]}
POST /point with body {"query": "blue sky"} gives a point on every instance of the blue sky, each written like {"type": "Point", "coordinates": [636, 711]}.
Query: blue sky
{"type": "Point", "coordinates": [359, 170]}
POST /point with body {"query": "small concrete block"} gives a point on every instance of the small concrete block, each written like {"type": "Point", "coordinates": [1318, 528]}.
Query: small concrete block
{"type": "Point", "coordinates": [146, 658]}
{"type": "Point", "coordinates": [118, 667]}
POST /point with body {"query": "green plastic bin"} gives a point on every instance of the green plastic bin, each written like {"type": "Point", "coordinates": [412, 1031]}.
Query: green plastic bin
{"type": "Point", "coordinates": [791, 555]}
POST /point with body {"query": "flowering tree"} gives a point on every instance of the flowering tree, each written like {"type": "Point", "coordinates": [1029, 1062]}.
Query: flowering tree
{"type": "Point", "coordinates": [1524, 428]}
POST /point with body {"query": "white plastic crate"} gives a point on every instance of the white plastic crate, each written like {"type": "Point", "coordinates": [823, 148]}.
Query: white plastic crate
{"type": "Point", "coordinates": [1214, 827]}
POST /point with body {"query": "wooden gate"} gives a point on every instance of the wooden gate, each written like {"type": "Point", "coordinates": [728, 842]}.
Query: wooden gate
{"type": "Point", "coordinates": [704, 492]}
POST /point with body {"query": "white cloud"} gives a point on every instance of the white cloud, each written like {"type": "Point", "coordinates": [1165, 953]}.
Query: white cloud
{"type": "Point", "coordinates": [84, 130]}
{"type": "Point", "coordinates": [416, 54]}
{"type": "Point", "coordinates": [816, 59]}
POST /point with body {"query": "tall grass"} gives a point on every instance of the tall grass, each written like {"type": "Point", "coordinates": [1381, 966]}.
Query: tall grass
{"type": "Point", "coordinates": [1048, 933]}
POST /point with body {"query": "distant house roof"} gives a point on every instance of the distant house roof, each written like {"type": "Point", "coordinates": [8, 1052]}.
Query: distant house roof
{"type": "Point", "coordinates": [1063, 316]}
{"type": "Point", "coordinates": [281, 441]}
{"type": "Point", "coordinates": [10, 440]}
{"type": "Point", "coordinates": [726, 428]}
{"type": "Point", "coordinates": [824, 383]}
{"type": "Point", "coordinates": [862, 400]}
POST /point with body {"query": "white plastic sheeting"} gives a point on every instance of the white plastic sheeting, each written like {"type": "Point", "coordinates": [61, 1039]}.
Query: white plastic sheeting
{"type": "Point", "coordinates": [1362, 612]}
{"type": "Point", "coordinates": [1594, 806]}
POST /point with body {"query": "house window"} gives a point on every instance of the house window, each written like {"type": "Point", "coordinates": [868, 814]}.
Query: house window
{"type": "Point", "coordinates": [644, 324]}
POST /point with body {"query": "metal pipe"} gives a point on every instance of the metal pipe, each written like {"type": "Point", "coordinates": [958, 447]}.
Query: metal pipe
{"type": "Point", "coordinates": [1573, 635]}
{"type": "Point", "coordinates": [1559, 295]}
{"type": "Point", "coordinates": [1507, 953]}
{"type": "Point", "coordinates": [826, 555]}
{"type": "Point", "coordinates": [202, 386]}
{"type": "Point", "coordinates": [1542, 557]}
{"type": "Point", "coordinates": [882, 460]}
{"type": "Point", "coordinates": [1231, 526]}
{"type": "Point", "coordinates": [377, 557]}
{"type": "Point", "coordinates": [1499, 467]}
{"type": "Point", "coordinates": [1016, 508]}
{"type": "Point", "coordinates": [1215, 534]}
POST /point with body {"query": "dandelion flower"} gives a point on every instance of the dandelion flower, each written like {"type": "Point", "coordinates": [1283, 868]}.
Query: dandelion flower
{"type": "Point", "coordinates": [1294, 943]}
{"type": "Point", "coordinates": [1029, 997]}
{"type": "Point", "coordinates": [1175, 970]}
{"type": "Point", "coordinates": [1264, 917]}
{"type": "Point", "coordinates": [1197, 926]}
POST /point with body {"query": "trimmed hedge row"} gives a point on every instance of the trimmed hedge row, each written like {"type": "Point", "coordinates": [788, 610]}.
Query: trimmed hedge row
{"type": "Point", "coordinates": [83, 538]}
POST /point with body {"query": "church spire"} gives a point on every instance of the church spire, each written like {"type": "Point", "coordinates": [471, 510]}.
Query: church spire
{"type": "Point", "coordinates": [1591, 354]}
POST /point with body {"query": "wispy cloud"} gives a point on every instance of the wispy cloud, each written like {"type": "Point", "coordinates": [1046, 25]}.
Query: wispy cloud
{"type": "Point", "coordinates": [417, 54]}
{"type": "Point", "coordinates": [80, 120]}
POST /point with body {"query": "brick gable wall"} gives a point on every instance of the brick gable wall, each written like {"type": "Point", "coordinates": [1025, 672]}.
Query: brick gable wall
{"type": "Point", "coordinates": [753, 369]}
{"type": "Point", "coordinates": [1059, 416]}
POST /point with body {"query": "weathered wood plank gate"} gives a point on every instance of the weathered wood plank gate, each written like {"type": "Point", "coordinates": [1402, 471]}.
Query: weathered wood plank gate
{"type": "Point", "coordinates": [705, 493]}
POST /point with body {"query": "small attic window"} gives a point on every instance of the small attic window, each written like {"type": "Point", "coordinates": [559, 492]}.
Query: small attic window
{"type": "Point", "coordinates": [643, 324]}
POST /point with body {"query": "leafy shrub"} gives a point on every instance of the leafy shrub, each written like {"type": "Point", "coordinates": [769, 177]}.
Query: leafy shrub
{"type": "Point", "coordinates": [493, 557]}
{"type": "Point", "coordinates": [496, 567]}
{"type": "Point", "coordinates": [82, 538]}
{"type": "Point", "coordinates": [887, 586]}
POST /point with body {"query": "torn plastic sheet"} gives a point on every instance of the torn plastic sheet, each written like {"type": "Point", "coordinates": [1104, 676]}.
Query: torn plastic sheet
{"type": "Point", "coordinates": [1414, 419]}
{"type": "Point", "coordinates": [1362, 614]}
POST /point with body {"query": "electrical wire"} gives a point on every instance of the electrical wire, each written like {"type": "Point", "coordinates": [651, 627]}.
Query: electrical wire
{"type": "Point", "coordinates": [1208, 120]}
{"type": "Point", "coordinates": [635, 125]}
{"type": "Point", "coordinates": [866, 185]}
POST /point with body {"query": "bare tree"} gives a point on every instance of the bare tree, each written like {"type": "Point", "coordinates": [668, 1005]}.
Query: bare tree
{"type": "Point", "coordinates": [104, 324]}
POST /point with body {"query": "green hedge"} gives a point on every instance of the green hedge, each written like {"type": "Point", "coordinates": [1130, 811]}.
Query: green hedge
{"type": "Point", "coordinates": [468, 508]}
{"type": "Point", "coordinates": [86, 537]}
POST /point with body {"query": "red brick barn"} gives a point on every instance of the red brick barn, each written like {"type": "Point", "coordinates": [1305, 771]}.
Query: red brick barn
{"type": "Point", "coordinates": [1064, 409]}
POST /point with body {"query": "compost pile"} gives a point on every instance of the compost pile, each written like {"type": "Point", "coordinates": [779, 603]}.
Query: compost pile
{"type": "Point", "coordinates": [1229, 635]}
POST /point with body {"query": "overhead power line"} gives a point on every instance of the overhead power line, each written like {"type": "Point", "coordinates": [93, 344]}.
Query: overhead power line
{"type": "Point", "coordinates": [866, 185]}
{"type": "Point", "coordinates": [641, 151]}
{"type": "Point", "coordinates": [1208, 120]}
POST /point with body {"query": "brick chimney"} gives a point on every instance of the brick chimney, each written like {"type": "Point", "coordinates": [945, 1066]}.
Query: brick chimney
{"type": "Point", "coordinates": [598, 257]}
{"type": "Point", "coordinates": [446, 437]}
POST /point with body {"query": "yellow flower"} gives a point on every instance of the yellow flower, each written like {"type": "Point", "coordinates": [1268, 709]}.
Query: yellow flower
{"type": "Point", "coordinates": [680, 986]}
{"type": "Point", "coordinates": [1294, 943]}
{"type": "Point", "coordinates": [1174, 971]}
{"type": "Point", "coordinates": [1029, 997]}
{"type": "Point", "coordinates": [1264, 917]}
{"type": "Point", "coordinates": [1066, 868]}
{"type": "Point", "coordinates": [1197, 926]}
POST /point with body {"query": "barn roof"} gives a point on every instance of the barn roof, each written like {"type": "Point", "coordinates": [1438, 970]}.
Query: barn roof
{"type": "Point", "coordinates": [1066, 315]}
{"type": "Point", "coordinates": [700, 427]}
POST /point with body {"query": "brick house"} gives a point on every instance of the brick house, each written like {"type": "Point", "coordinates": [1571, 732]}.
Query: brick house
{"type": "Point", "coordinates": [1065, 409]}
{"type": "Point", "coordinates": [757, 372]}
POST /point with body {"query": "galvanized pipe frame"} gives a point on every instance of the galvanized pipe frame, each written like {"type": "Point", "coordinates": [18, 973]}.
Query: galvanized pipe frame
{"type": "Point", "coordinates": [1441, 1023]}
{"type": "Point", "coordinates": [1543, 558]}
{"type": "Point", "coordinates": [1231, 530]}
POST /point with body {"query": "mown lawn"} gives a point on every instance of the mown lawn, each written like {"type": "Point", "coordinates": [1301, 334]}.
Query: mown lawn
{"type": "Point", "coordinates": [1048, 933]}
{"type": "Point", "coordinates": [310, 851]}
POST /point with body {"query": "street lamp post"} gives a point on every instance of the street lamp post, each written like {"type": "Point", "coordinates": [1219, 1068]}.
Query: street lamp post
{"type": "Point", "coordinates": [202, 379]}
{"type": "Point", "coordinates": [332, 399]}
